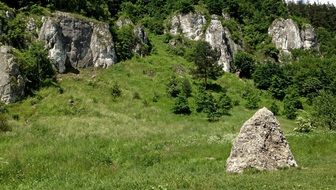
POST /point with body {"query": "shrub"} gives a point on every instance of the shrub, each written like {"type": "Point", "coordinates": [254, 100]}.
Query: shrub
{"type": "Point", "coordinates": [244, 64]}
{"type": "Point", "coordinates": [224, 104]}
{"type": "Point", "coordinates": [35, 66]}
{"type": "Point", "coordinates": [136, 96]}
{"type": "Point", "coordinates": [125, 42]}
{"type": "Point", "coordinates": [202, 99]}
{"type": "Point", "coordinates": [274, 108]}
{"type": "Point", "coordinates": [173, 88]}
{"type": "Point", "coordinates": [4, 127]}
{"type": "Point", "coordinates": [264, 73]}
{"type": "Point", "coordinates": [181, 105]}
{"type": "Point", "coordinates": [304, 125]}
{"type": "Point", "coordinates": [252, 99]}
{"type": "Point", "coordinates": [186, 87]}
{"type": "Point", "coordinates": [116, 91]}
{"type": "Point", "coordinates": [325, 110]}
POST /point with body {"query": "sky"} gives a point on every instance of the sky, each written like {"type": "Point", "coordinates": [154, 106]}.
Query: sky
{"type": "Point", "coordinates": [318, 1]}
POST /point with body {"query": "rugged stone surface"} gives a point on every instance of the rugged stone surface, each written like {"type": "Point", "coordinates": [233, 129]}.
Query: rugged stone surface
{"type": "Point", "coordinates": [12, 84]}
{"type": "Point", "coordinates": [261, 145]}
{"type": "Point", "coordinates": [192, 26]}
{"type": "Point", "coordinates": [140, 34]}
{"type": "Point", "coordinates": [286, 35]}
{"type": "Point", "coordinates": [77, 43]}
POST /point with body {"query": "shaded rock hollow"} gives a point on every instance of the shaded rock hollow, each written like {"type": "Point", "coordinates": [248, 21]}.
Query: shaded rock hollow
{"type": "Point", "coordinates": [261, 145]}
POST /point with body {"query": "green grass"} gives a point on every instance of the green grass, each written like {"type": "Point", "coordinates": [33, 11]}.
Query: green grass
{"type": "Point", "coordinates": [84, 139]}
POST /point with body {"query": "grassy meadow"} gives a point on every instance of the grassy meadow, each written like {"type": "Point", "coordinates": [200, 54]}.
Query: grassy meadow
{"type": "Point", "coordinates": [77, 136]}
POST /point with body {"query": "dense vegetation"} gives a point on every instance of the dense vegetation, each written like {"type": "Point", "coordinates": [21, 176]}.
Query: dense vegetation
{"type": "Point", "coordinates": [166, 121]}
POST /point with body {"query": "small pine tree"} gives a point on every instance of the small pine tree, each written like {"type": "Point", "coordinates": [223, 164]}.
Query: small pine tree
{"type": "Point", "coordinates": [212, 109]}
{"type": "Point", "coordinates": [186, 87]}
{"type": "Point", "coordinates": [181, 105]}
{"type": "Point", "coordinates": [202, 99]}
{"type": "Point", "coordinates": [252, 99]}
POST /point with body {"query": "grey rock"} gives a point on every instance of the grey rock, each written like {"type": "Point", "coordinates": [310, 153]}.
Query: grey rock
{"type": "Point", "coordinates": [286, 35]}
{"type": "Point", "coordinates": [309, 37]}
{"type": "Point", "coordinates": [261, 145]}
{"type": "Point", "coordinates": [140, 34]}
{"type": "Point", "coordinates": [192, 26]}
{"type": "Point", "coordinates": [12, 84]}
{"type": "Point", "coordinates": [77, 43]}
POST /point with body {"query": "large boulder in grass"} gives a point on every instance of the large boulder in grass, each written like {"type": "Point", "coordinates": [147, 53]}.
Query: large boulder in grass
{"type": "Point", "coordinates": [260, 145]}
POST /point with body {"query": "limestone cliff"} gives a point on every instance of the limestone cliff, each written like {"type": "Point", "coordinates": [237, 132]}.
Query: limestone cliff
{"type": "Point", "coordinates": [286, 35]}
{"type": "Point", "coordinates": [77, 43]}
{"type": "Point", "coordinates": [12, 83]}
{"type": "Point", "coordinates": [194, 26]}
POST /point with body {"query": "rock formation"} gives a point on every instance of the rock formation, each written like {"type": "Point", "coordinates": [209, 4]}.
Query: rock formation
{"type": "Point", "coordinates": [286, 35]}
{"type": "Point", "coordinates": [77, 43]}
{"type": "Point", "coordinates": [192, 26]}
{"type": "Point", "coordinates": [142, 40]}
{"type": "Point", "coordinates": [261, 145]}
{"type": "Point", "coordinates": [12, 83]}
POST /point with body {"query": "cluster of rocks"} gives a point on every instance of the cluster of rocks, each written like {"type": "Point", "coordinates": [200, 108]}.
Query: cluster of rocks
{"type": "Point", "coordinates": [260, 145]}
{"type": "Point", "coordinates": [194, 26]}
{"type": "Point", "coordinates": [286, 35]}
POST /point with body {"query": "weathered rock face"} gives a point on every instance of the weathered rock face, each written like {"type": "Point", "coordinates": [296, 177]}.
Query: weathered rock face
{"type": "Point", "coordinates": [309, 37]}
{"type": "Point", "coordinates": [261, 145]}
{"type": "Point", "coordinates": [193, 26]}
{"type": "Point", "coordinates": [287, 36]}
{"type": "Point", "coordinates": [77, 43]}
{"type": "Point", "coordinates": [12, 83]}
{"type": "Point", "coordinates": [142, 40]}
{"type": "Point", "coordinates": [190, 25]}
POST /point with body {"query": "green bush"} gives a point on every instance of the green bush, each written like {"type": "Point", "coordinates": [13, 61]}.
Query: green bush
{"type": "Point", "coordinates": [202, 100]}
{"type": "Point", "coordinates": [125, 42]}
{"type": "Point", "coordinates": [181, 105]}
{"type": "Point", "coordinates": [173, 87]}
{"type": "Point", "coordinates": [252, 99]}
{"type": "Point", "coordinates": [325, 110]}
{"type": "Point", "coordinates": [274, 108]}
{"type": "Point", "coordinates": [116, 91]}
{"type": "Point", "coordinates": [186, 87]}
{"type": "Point", "coordinates": [35, 66]}
{"type": "Point", "coordinates": [4, 127]}
{"type": "Point", "coordinates": [244, 64]}
{"type": "Point", "coordinates": [264, 73]}
{"type": "Point", "coordinates": [224, 104]}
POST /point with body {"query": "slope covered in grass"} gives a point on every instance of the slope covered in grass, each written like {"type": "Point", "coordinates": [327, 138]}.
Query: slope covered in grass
{"type": "Point", "coordinates": [78, 136]}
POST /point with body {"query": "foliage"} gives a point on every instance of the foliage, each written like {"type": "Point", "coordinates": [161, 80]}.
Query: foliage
{"type": "Point", "coordinates": [224, 104]}
{"type": "Point", "coordinates": [244, 64]}
{"type": "Point", "coordinates": [205, 59]}
{"type": "Point", "coordinates": [274, 108]}
{"type": "Point", "coordinates": [35, 66]}
{"type": "Point", "coordinates": [264, 73]}
{"type": "Point", "coordinates": [202, 99]}
{"type": "Point", "coordinates": [116, 91]}
{"type": "Point", "coordinates": [305, 125]}
{"type": "Point", "coordinates": [181, 105]}
{"type": "Point", "coordinates": [4, 126]}
{"type": "Point", "coordinates": [186, 87]}
{"type": "Point", "coordinates": [325, 110]}
{"type": "Point", "coordinates": [291, 103]}
{"type": "Point", "coordinates": [125, 42]}
{"type": "Point", "coordinates": [252, 99]}
{"type": "Point", "coordinates": [173, 87]}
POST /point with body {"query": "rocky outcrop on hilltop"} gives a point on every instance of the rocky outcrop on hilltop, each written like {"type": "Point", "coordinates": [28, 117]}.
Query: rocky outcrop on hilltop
{"type": "Point", "coordinates": [76, 42]}
{"type": "Point", "coordinates": [260, 145]}
{"type": "Point", "coordinates": [286, 35]}
{"type": "Point", "coordinates": [12, 84]}
{"type": "Point", "coordinates": [195, 26]}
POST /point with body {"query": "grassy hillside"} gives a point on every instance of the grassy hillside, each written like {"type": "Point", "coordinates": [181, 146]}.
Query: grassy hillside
{"type": "Point", "coordinates": [78, 136]}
